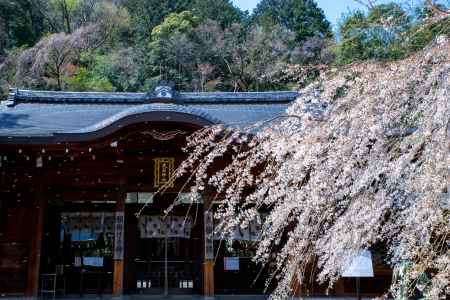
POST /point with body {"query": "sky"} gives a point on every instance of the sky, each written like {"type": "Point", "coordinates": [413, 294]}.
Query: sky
{"type": "Point", "coordinates": [333, 8]}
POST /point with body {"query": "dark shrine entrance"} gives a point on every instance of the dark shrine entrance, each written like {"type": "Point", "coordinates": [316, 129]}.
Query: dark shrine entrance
{"type": "Point", "coordinates": [163, 252]}
{"type": "Point", "coordinates": [106, 230]}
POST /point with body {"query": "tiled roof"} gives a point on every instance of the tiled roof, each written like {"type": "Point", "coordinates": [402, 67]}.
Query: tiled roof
{"type": "Point", "coordinates": [53, 116]}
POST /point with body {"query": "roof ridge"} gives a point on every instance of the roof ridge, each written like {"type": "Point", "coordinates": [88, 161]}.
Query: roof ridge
{"type": "Point", "coordinates": [160, 95]}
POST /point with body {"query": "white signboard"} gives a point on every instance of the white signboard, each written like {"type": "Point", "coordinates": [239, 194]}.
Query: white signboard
{"type": "Point", "coordinates": [360, 266]}
{"type": "Point", "coordinates": [231, 263]}
{"type": "Point", "coordinates": [93, 261]}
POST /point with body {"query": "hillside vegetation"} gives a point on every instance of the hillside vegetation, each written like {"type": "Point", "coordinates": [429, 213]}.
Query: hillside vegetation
{"type": "Point", "coordinates": [200, 45]}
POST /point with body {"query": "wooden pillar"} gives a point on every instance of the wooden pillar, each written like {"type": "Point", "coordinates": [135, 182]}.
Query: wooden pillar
{"type": "Point", "coordinates": [339, 289]}
{"type": "Point", "coordinates": [208, 262]}
{"type": "Point", "coordinates": [208, 274]}
{"type": "Point", "coordinates": [118, 254]}
{"type": "Point", "coordinates": [34, 260]}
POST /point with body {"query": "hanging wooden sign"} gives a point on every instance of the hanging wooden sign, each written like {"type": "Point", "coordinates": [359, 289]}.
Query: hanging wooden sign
{"type": "Point", "coordinates": [118, 236]}
{"type": "Point", "coordinates": [164, 167]}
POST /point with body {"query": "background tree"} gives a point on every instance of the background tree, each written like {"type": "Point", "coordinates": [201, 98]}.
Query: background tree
{"type": "Point", "coordinates": [302, 17]}
{"type": "Point", "coordinates": [266, 52]}
{"type": "Point", "coordinates": [386, 31]}
{"type": "Point", "coordinates": [53, 58]}
{"type": "Point", "coordinates": [169, 44]}
{"type": "Point", "coordinates": [145, 15]}
{"type": "Point", "coordinates": [21, 23]}
{"type": "Point", "coordinates": [215, 46]}
{"type": "Point", "coordinates": [221, 11]}
{"type": "Point", "coordinates": [376, 35]}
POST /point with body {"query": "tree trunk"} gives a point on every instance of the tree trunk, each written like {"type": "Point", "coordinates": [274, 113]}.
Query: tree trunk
{"type": "Point", "coordinates": [65, 16]}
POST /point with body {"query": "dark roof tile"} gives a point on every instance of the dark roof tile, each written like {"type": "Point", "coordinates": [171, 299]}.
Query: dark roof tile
{"type": "Point", "coordinates": [28, 115]}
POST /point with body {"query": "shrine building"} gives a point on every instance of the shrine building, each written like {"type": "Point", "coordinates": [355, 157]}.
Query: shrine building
{"type": "Point", "coordinates": [77, 167]}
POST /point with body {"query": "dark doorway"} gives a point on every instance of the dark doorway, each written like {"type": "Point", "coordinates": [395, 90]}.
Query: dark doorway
{"type": "Point", "coordinates": [163, 252]}
{"type": "Point", "coordinates": [77, 248]}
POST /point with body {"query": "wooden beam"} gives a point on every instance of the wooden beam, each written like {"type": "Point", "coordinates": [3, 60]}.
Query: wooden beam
{"type": "Point", "coordinates": [119, 247]}
{"type": "Point", "coordinates": [34, 260]}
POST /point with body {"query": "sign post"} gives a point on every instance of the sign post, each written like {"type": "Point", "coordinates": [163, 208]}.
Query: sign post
{"type": "Point", "coordinates": [119, 247]}
{"type": "Point", "coordinates": [360, 266]}
{"type": "Point", "coordinates": [208, 263]}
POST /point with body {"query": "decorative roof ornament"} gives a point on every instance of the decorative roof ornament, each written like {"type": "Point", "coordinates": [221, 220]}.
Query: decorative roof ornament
{"type": "Point", "coordinates": [164, 92]}
{"type": "Point", "coordinates": [163, 136]}
{"type": "Point", "coordinates": [11, 97]}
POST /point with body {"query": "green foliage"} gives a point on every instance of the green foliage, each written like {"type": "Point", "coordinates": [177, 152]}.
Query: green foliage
{"type": "Point", "coordinates": [175, 23]}
{"type": "Point", "coordinates": [170, 45]}
{"type": "Point", "coordinates": [366, 37]}
{"type": "Point", "coordinates": [119, 70]}
{"type": "Point", "coordinates": [340, 92]}
{"type": "Point", "coordinates": [20, 24]}
{"type": "Point", "coordinates": [204, 45]}
{"type": "Point", "coordinates": [303, 17]}
{"type": "Point", "coordinates": [145, 15]}
{"type": "Point", "coordinates": [221, 11]}
{"type": "Point", "coordinates": [405, 285]}
{"type": "Point", "coordinates": [386, 32]}
{"type": "Point", "coordinates": [420, 36]}
{"type": "Point", "coordinates": [86, 80]}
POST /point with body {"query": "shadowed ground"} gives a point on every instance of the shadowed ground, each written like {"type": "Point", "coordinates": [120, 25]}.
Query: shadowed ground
{"type": "Point", "coordinates": [179, 297]}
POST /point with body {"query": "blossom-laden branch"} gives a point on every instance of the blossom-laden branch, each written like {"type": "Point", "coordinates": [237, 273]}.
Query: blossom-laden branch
{"type": "Point", "coordinates": [361, 163]}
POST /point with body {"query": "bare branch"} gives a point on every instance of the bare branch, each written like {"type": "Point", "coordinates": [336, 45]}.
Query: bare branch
{"type": "Point", "coordinates": [370, 4]}
{"type": "Point", "coordinates": [437, 9]}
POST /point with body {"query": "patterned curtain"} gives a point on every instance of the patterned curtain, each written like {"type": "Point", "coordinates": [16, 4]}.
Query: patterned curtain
{"type": "Point", "coordinates": [87, 225]}
{"type": "Point", "coordinates": [157, 226]}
